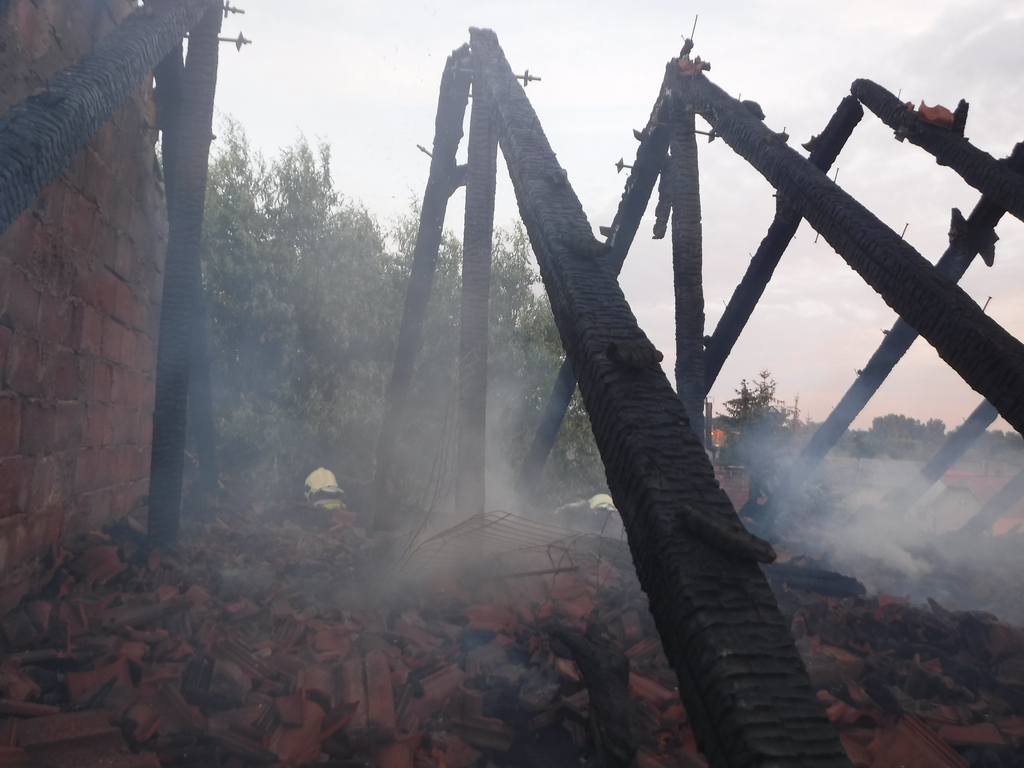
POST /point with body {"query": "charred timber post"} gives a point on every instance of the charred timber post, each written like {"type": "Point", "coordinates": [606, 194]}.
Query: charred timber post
{"type": "Point", "coordinates": [481, 175]}
{"type": "Point", "coordinates": [167, 94]}
{"type": "Point", "coordinates": [996, 507]}
{"type": "Point", "coordinates": [740, 675]}
{"type": "Point", "coordinates": [967, 239]}
{"type": "Point", "coordinates": [443, 180]}
{"type": "Point", "coordinates": [976, 167]}
{"type": "Point", "coordinates": [182, 278]}
{"type": "Point", "coordinates": [825, 148]}
{"type": "Point", "coordinates": [988, 358]}
{"type": "Point", "coordinates": [687, 264]}
{"type": "Point", "coordinates": [650, 157]}
{"type": "Point", "coordinates": [40, 136]}
{"type": "Point", "coordinates": [956, 445]}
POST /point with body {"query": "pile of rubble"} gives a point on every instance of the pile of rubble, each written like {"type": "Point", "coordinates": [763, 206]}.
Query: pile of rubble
{"type": "Point", "coordinates": [268, 639]}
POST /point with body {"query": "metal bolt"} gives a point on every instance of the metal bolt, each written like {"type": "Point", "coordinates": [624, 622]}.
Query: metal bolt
{"type": "Point", "coordinates": [527, 78]}
{"type": "Point", "coordinates": [424, 150]}
{"type": "Point", "coordinates": [229, 8]}
{"type": "Point", "coordinates": [620, 165]}
{"type": "Point", "coordinates": [904, 230]}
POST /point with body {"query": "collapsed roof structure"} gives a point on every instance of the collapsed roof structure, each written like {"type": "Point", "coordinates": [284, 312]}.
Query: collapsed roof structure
{"type": "Point", "coordinates": [738, 671]}
{"type": "Point", "coordinates": [740, 675]}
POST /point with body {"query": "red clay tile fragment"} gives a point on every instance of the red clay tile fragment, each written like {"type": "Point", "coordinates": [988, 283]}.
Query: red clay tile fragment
{"type": "Point", "coordinates": [937, 115]}
{"type": "Point", "coordinates": [980, 734]}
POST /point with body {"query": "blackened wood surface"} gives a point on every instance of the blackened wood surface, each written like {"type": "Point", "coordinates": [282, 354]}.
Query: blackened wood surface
{"type": "Point", "coordinates": [780, 233]}
{"type": "Point", "coordinates": [968, 238]}
{"type": "Point", "coordinates": [442, 181]}
{"type": "Point", "coordinates": [41, 136]}
{"type": "Point", "coordinates": [650, 157]}
{"type": "Point", "coordinates": [988, 358]}
{"type": "Point", "coordinates": [169, 74]}
{"type": "Point", "coordinates": [956, 445]}
{"type": "Point", "coordinates": [182, 278]}
{"type": "Point", "coordinates": [976, 167]}
{"type": "Point", "coordinates": [470, 487]}
{"type": "Point", "coordinates": [740, 676]}
{"type": "Point", "coordinates": [687, 266]}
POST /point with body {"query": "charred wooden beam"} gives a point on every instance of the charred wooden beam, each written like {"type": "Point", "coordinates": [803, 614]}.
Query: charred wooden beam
{"type": "Point", "coordinates": [825, 149]}
{"type": "Point", "coordinates": [444, 178]}
{"type": "Point", "coordinates": [956, 445]}
{"type": "Point", "coordinates": [978, 168]}
{"type": "Point", "coordinates": [168, 93]}
{"type": "Point", "coordinates": [968, 238]}
{"type": "Point", "coordinates": [988, 358]}
{"type": "Point", "coordinates": [687, 264]}
{"type": "Point", "coordinates": [482, 156]}
{"type": "Point", "coordinates": [40, 136]}
{"type": "Point", "coordinates": [996, 507]}
{"type": "Point", "coordinates": [650, 157]}
{"type": "Point", "coordinates": [741, 678]}
{"type": "Point", "coordinates": [182, 278]}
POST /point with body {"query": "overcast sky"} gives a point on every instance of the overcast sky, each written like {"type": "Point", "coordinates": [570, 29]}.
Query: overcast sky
{"type": "Point", "coordinates": [363, 76]}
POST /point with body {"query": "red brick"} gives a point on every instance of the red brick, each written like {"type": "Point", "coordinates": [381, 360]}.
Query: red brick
{"type": "Point", "coordinates": [50, 206]}
{"type": "Point", "coordinates": [98, 429]}
{"type": "Point", "coordinates": [88, 328]}
{"type": "Point", "coordinates": [62, 376]}
{"type": "Point", "coordinates": [140, 319]}
{"type": "Point", "coordinates": [38, 427]}
{"type": "Point", "coordinates": [10, 426]}
{"type": "Point", "coordinates": [21, 303]}
{"type": "Point", "coordinates": [50, 484]}
{"type": "Point", "coordinates": [92, 510]}
{"type": "Point", "coordinates": [121, 426]}
{"type": "Point", "coordinates": [124, 303]}
{"type": "Point", "coordinates": [18, 241]}
{"type": "Point", "coordinates": [104, 242]}
{"type": "Point", "coordinates": [86, 471]}
{"type": "Point", "coordinates": [79, 220]}
{"type": "Point", "coordinates": [56, 320]}
{"type": "Point", "coordinates": [70, 422]}
{"type": "Point", "coordinates": [145, 357]}
{"type": "Point", "coordinates": [140, 463]}
{"type": "Point", "coordinates": [6, 340]}
{"type": "Point", "coordinates": [113, 340]}
{"type": "Point", "coordinates": [146, 426]}
{"type": "Point", "coordinates": [98, 178]}
{"type": "Point", "coordinates": [128, 347]}
{"type": "Point", "coordinates": [22, 374]}
{"type": "Point", "coordinates": [97, 287]}
{"type": "Point", "coordinates": [101, 388]}
{"type": "Point", "coordinates": [124, 254]}
{"type": "Point", "coordinates": [15, 485]}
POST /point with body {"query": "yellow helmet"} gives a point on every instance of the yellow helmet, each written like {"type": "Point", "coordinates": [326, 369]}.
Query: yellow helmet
{"type": "Point", "coordinates": [601, 498]}
{"type": "Point", "coordinates": [320, 478]}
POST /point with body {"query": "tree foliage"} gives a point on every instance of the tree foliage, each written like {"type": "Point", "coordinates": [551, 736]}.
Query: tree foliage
{"type": "Point", "coordinates": [305, 291]}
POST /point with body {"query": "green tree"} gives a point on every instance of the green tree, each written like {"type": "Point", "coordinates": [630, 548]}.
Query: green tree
{"type": "Point", "coordinates": [759, 429]}
{"type": "Point", "coordinates": [305, 290]}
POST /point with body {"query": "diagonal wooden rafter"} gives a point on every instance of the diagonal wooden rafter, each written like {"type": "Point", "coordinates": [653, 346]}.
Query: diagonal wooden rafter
{"type": "Point", "coordinates": [740, 675]}
{"type": "Point", "coordinates": [969, 238]}
{"type": "Point", "coordinates": [985, 355]}
{"type": "Point", "coordinates": [978, 168]}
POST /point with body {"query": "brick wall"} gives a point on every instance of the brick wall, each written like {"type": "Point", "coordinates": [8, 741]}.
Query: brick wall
{"type": "Point", "coordinates": [80, 282]}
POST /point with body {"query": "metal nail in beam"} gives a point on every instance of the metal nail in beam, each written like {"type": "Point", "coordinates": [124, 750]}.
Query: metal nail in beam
{"type": "Point", "coordinates": [443, 180]}
{"type": "Point", "coordinates": [825, 149]}
{"type": "Point", "coordinates": [976, 167]}
{"type": "Point", "coordinates": [988, 358]}
{"type": "Point", "coordinates": [740, 676]}
{"type": "Point", "coordinates": [40, 136]}
{"type": "Point", "coordinates": [968, 238]}
{"type": "Point", "coordinates": [650, 157]}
